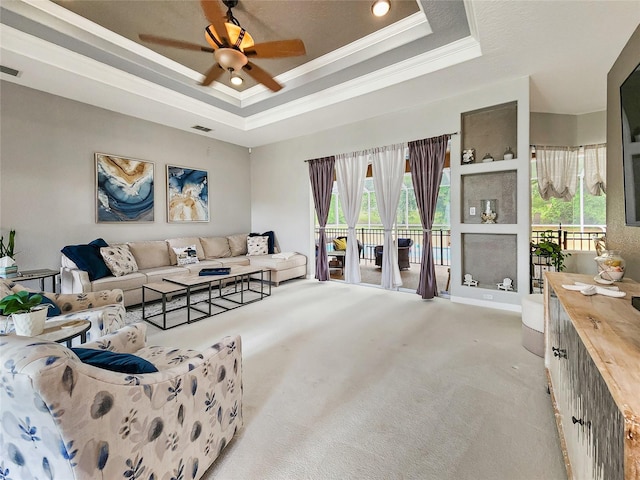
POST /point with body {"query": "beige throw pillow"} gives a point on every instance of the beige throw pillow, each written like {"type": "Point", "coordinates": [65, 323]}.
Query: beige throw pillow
{"type": "Point", "coordinates": [238, 244]}
{"type": "Point", "coordinates": [119, 259]}
{"type": "Point", "coordinates": [257, 246]}
{"type": "Point", "coordinates": [186, 255]}
{"type": "Point", "coordinates": [215, 247]}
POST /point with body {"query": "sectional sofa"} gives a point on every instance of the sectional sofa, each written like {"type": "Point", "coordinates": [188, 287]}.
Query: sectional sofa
{"type": "Point", "coordinates": [157, 259]}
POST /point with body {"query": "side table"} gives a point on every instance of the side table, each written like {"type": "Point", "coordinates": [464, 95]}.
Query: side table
{"type": "Point", "coordinates": [64, 331]}
{"type": "Point", "coordinates": [40, 274]}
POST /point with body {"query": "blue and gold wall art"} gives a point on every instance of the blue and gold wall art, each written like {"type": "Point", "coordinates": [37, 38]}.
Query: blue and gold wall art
{"type": "Point", "coordinates": [124, 189]}
{"type": "Point", "coordinates": [187, 195]}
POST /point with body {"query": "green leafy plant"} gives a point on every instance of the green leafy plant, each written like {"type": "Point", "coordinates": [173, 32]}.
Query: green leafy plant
{"type": "Point", "coordinates": [547, 247]}
{"type": "Point", "coordinates": [19, 302]}
{"type": "Point", "coordinates": [7, 250]}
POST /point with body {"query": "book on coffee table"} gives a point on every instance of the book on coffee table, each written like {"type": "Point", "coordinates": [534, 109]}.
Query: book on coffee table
{"type": "Point", "coordinates": [215, 271]}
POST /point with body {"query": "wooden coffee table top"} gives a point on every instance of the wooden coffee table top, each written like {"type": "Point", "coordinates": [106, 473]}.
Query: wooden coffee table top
{"type": "Point", "coordinates": [193, 279]}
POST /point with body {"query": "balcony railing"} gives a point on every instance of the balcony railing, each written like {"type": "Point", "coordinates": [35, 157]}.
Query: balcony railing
{"type": "Point", "coordinates": [441, 240]}
{"type": "Point", "coordinates": [569, 239]}
{"type": "Point", "coordinates": [371, 237]}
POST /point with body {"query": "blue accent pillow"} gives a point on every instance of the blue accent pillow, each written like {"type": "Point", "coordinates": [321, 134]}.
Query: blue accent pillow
{"type": "Point", "coordinates": [114, 361]}
{"type": "Point", "coordinates": [53, 310]}
{"type": "Point", "coordinates": [88, 258]}
{"type": "Point", "coordinates": [271, 243]}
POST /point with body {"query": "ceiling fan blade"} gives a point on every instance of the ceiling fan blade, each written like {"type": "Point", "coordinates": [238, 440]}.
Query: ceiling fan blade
{"type": "Point", "coordinates": [277, 49]}
{"type": "Point", "coordinates": [217, 17]}
{"type": "Point", "coordinates": [169, 42]}
{"type": "Point", "coordinates": [261, 76]}
{"type": "Point", "coordinates": [212, 74]}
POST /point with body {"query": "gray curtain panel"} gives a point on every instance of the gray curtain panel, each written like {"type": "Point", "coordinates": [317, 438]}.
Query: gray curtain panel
{"type": "Point", "coordinates": [426, 161]}
{"type": "Point", "coordinates": [321, 171]}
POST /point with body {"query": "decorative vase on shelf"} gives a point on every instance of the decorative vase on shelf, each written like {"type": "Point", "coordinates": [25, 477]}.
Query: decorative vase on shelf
{"type": "Point", "coordinates": [610, 267]}
{"type": "Point", "coordinates": [508, 154]}
{"type": "Point", "coordinates": [488, 214]}
{"type": "Point", "coordinates": [487, 158]}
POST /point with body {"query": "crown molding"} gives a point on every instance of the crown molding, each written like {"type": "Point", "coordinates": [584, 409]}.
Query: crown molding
{"type": "Point", "coordinates": [69, 23]}
{"type": "Point", "coordinates": [451, 54]}
{"type": "Point", "coordinates": [393, 36]}
{"type": "Point", "coordinates": [24, 45]}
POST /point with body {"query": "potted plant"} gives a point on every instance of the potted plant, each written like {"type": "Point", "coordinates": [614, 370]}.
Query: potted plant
{"type": "Point", "coordinates": [27, 313]}
{"type": "Point", "coordinates": [547, 247]}
{"type": "Point", "coordinates": [8, 266]}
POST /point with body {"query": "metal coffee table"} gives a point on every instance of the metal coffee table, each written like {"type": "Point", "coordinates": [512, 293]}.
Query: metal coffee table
{"type": "Point", "coordinates": [239, 278]}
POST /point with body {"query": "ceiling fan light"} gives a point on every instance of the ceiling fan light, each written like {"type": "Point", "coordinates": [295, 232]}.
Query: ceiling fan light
{"type": "Point", "coordinates": [381, 7]}
{"type": "Point", "coordinates": [228, 58]}
{"type": "Point", "coordinates": [233, 31]}
{"type": "Point", "coordinates": [236, 79]}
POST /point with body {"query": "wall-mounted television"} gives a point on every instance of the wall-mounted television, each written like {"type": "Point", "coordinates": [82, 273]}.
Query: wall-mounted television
{"type": "Point", "coordinates": [630, 103]}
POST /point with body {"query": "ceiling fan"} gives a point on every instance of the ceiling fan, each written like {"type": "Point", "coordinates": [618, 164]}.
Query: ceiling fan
{"type": "Point", "coordinates": [232, 46]}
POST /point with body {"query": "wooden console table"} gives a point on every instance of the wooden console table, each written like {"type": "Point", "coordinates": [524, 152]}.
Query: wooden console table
{"type": "Point", "coordinates": [592, 358]}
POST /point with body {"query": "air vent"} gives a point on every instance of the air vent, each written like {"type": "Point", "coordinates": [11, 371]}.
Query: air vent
{"type": "Point", "coordinates": [9, 71]}
{"type": "Point", "coordinates": [201, 128]}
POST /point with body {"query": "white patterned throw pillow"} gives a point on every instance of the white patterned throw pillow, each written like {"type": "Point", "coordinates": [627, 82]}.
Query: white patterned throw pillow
{"type": "Point", "coordinates": [119, 259]}
{"type": "Point", "coordinates": [257, 245]}
{"type": "Point", "coordinates": [186, 255]}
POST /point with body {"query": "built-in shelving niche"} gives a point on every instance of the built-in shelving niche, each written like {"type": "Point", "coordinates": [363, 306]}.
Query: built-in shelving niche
{"type": "Point", "coordinates": [500, 186]}
{"type": "Point", "coordinates": [490, 258]}
{"type": "Point", "coordinates": [491, 130]}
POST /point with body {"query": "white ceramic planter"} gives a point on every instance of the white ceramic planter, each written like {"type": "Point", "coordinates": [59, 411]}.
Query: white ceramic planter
{"type": "Point", "coordinates": [29, 324]}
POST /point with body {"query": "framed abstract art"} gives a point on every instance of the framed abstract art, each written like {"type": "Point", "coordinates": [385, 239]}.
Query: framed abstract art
{"type": "Point", "coordinates": [187, 194]}
{"type": "Point", "coordinates": [124, 189]}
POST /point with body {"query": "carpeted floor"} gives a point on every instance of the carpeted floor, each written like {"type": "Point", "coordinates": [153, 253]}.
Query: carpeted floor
{"type": "Point", "coordinates": [371, 275]}
{"type": "Point", "coordinates": [352, 382]}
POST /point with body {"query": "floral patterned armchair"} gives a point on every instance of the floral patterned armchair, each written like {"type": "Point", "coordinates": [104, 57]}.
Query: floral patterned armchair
{"type": "Point", "coordinates": [104, 309]}
{"type": "Point", "coordinates": [66, 419]}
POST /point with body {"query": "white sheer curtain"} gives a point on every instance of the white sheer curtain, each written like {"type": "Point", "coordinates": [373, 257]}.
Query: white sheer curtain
{"type": "Point", "coordinates": [557, 171]}
{"type": "Point", "coordinates": [388, 172]}
{"type": "Point", "coordinates": [351, 169]}
{"type": "Point", "coordinates": [595, 168]}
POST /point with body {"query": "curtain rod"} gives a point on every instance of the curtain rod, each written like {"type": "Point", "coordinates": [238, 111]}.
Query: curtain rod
{"type": "Point", "coordinates": [450, 134]}
{"type": "Point", "coordinates": [571, 146]}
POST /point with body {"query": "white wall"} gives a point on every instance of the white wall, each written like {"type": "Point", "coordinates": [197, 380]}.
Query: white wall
{"type": "Point", "coordinates": [281, 194]}
{"type": "Point", "coordinates": [47, 174]}
{"type": "Point", "coordinates": [568, 130]}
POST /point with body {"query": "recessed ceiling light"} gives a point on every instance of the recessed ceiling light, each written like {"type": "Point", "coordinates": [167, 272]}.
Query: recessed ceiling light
{"type": "Point", "coordinates": [381, 7]}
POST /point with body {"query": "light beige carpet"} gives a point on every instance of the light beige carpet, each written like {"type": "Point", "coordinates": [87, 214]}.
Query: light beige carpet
{"type": "Point", "coordinates": [353, 382]}
{"type": "Point", "coordinates": [371, 275]}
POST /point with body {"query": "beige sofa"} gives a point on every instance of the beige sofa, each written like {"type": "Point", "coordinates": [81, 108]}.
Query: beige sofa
{"type": "Point", "coordinates": [157, 260]}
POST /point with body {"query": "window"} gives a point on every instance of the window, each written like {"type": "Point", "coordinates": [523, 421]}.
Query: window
{"type": "Point", "coordinates": [407, 216]}
{"type": "Point", "coordinates": [585, 213]}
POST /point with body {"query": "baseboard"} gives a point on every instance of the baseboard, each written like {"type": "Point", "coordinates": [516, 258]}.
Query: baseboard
{"type": "Point", "coordinates": [484, 303]}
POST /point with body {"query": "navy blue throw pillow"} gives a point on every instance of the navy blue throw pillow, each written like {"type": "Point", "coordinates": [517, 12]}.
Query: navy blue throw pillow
{"type": "Point", "coordinates": [271, 243]}
{"type": "Point", "coordinates": [88, 258]}
{"type": "Point", "coordinates": [53, 310]}
{"type": "Point", "coordinates": [114, 361]}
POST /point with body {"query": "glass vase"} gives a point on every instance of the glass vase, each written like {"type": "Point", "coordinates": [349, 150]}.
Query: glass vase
{"type": "Point", "coordinates": [610, 266]}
